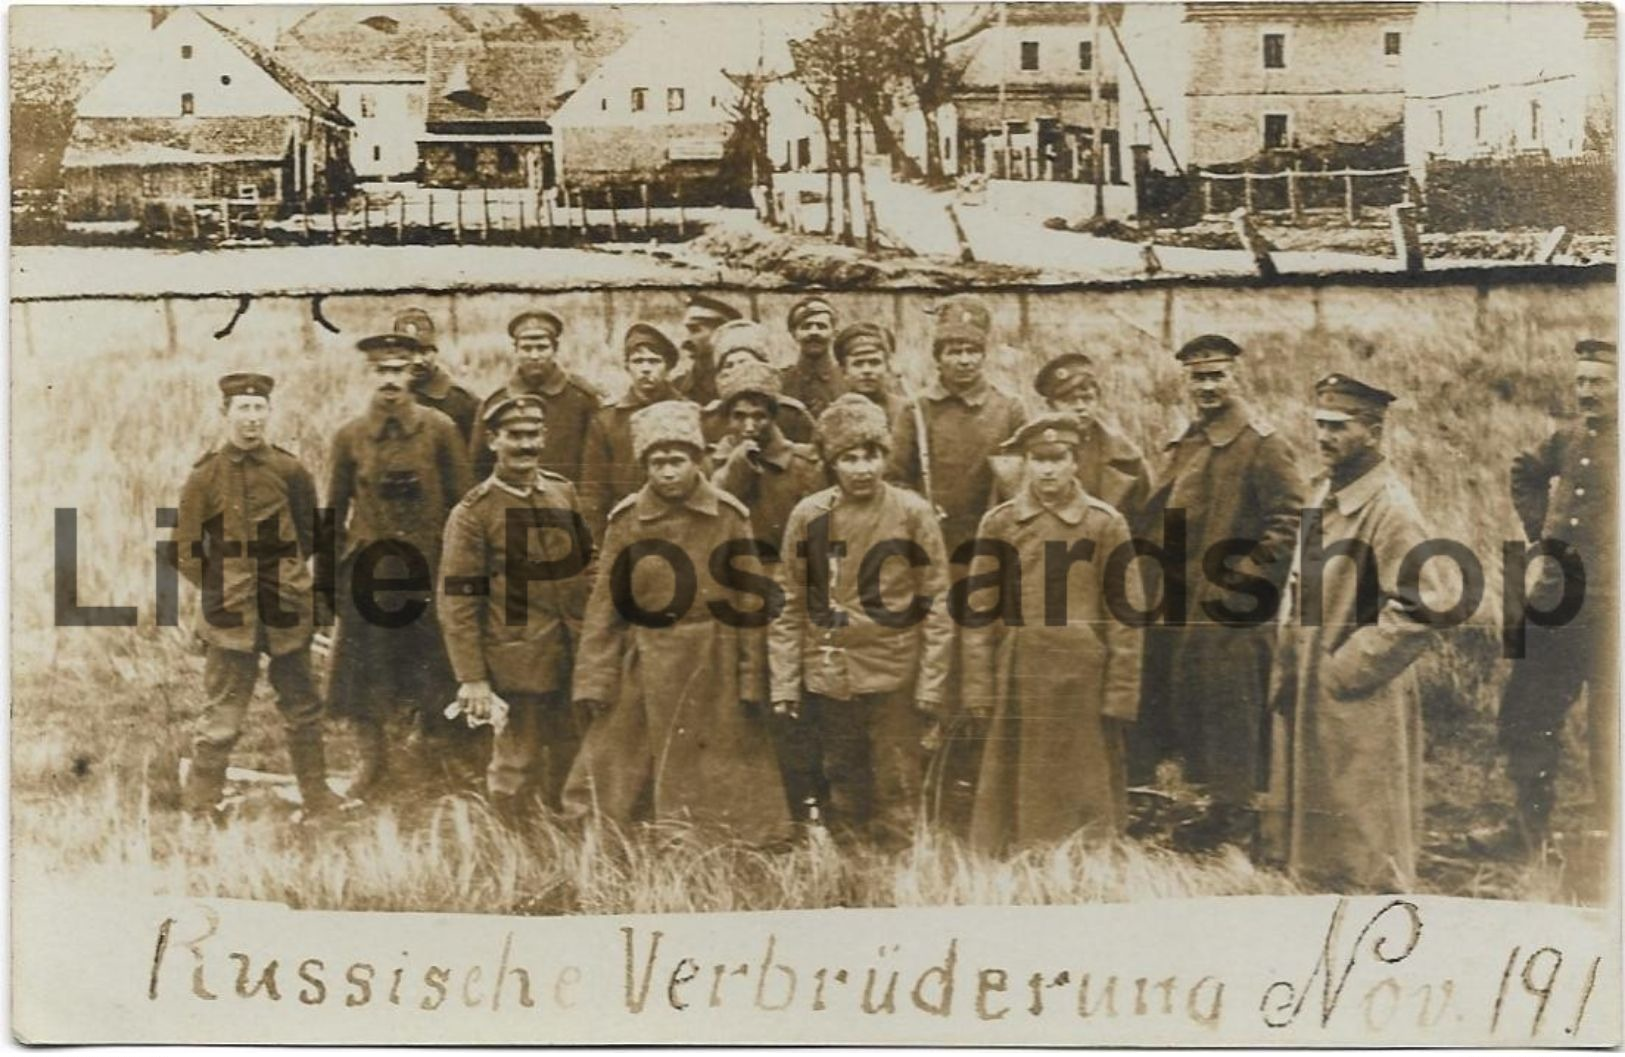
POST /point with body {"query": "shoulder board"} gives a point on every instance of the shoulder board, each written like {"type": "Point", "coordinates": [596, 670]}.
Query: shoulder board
{"type": "Point", "coordinates": [805, 451]}
{"type": "Point", "coordinates": [552, 475]}
{"type": "Point", "coordinates": [1099, 503]}
{"type": "Point", "coordinates": [729, 499]}
{"type": "Point", "coordinates": [786, 400]}
{"type": "Point", "coordinates": [712, 408]}
{"type": "Point", "coordinates": [477, 493]}
{"type": "Point", "coordinates": [1262, 428]}
{"type": "Point", "coordinates": [290, 454]}
{"type": "Point", "coordinates": [623, 506]}
{"type": "Point", "coordinates": [206, 456]}
{"type": "Point", "coordinates": [997, 507]}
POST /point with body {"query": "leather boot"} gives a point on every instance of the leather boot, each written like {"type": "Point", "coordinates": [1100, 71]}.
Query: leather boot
{"type": "Point", "coordinates": [372, 766]}
{"type": "Point", "coordinates": [206, 780]}
{"type": "Point", "coordinates": [309, 760]}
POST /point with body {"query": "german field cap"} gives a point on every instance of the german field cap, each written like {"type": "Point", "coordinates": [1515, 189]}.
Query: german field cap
{"type": "Point", "coordinates": [668, 422]}
{"type": "Point", "coordinates": [1063, 374]}
{"type": "Point", "coordinates": [859, 336]}
{"type": "Point", "coordinates": [1596, 351]}
{"type": "Point", "coordinates": [536, 321]}
{"type": "Point", "coordinates": [246, 383]}
{"type": "Point", "coordinates": [1208, 348]}
{"type": "Point", "coordinates": [389, 348]}
{"type": "Point", "coordinates": [415, 323]}
{"type": "Point", "coordinates": [750, 378]}
{"type": "Point", "coordinates": [850, 421]}
{"type": "Point", "coordinates": [1056, 428]}
{"type": "Point", "coordinates": [1339, 398]}
{"type": "Point", "coordinates": [809, 306]}
{"type": "Point", "coordinates": [740, 334]}
{"type": "Point", "coordinates": [516, 410]}
{"type": "Point", "coordinates": [648, 336]}
{"type": "Point", "coordinates": [961, 317]}
{"type": "Point", "coordinates": [712, 307]}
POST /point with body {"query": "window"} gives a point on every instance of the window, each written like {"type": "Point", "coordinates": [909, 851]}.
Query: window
{"type": "Point", "coordinates": [507, 159]}
{"type": "Point", "coordinates": [1275, 51]}
{"type": "Point", "coordinates": [369, 105]}
{"type": "Point", "coordinates": [1275, 131]}
{"type": "Point", "coordinates": [465, 158]}
{"type": "Point", "coordinates": [225, 79]}
{"type": "Point", "coordinates": [187, 103]}
{"type": "Point", "coordinates": [186, 51]}
{"type": "Point", "coordinates": [640, 99]}
{"type": "Point", "coordinates": [377, 153]}
{"type": "Point", "coordinates": [603, 104]}
{"type": "Point", "coordinates": [1390, 43]}
{"type": "Point", "coordinates": [1086, 55]}
{"type": "Point", "coordinates": [1534, 121]}
{"type": "Point", "coordinates": [674, 99]}
{"type": "Point", "coordinates": [1029, 55]}
{"type": "Point", "coordinates": [1438, 128]}
{"type": "Point", "coordinates": [1478, 124]}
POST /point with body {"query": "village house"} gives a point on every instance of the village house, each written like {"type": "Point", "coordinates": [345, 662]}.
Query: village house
{"type": "Point", "coordinates": [490, 112]}
{"type": "Point", "coordinates": [199, 112]}
{"type": "Point", "coordinates": [1025, 108]}
{"type": "Point", "coordinates": [659, 110]}
{"type": "Point", "coordinates": [1539, 79]}
{"type": "Point", "coordinates": [1232, 80]}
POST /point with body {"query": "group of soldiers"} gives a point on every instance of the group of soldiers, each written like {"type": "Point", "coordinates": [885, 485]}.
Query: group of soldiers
{"type": "Point", "coordinates": [763, 598]}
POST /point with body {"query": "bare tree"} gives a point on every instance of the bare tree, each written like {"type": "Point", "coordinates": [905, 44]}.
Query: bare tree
{"type": "Point", "coordinates": [931, 62]}
{"type": "Point", "coordinates": [814, 70]}
{"type": "Point", "coordinates": [748, 109]}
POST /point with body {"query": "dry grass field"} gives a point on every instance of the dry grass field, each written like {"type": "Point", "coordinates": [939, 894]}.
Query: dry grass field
{"type": "Point", "coordinates": [113, 399]}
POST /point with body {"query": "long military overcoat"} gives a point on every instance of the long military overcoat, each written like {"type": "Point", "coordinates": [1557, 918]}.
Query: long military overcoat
{"type": "Point", "coordinates": [1053, 761]}
{"type": "Point", "coordinates": [676, 727]}
{"type": "Point", "coordinates": [1351, 771]}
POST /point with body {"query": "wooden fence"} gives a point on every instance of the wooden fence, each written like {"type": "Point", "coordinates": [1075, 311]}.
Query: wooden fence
{"type": "Point", "coordinates": [429, 215]}
{"type": "Point", "coordinates": [1296, 191]}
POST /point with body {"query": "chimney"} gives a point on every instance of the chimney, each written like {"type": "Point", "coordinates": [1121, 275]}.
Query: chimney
{"type": "Point", "coordinates": [457, 81]}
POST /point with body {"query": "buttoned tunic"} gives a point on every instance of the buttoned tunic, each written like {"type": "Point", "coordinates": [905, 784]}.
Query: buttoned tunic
{"type": "Point", "coordinates": [516, 637]}
{"type": "Point", "coordinates": [815, 381]}
{"type": "Point", "coordinates": [962, 431]}
{"type": "Point", "coordinates": [1110, 468]}
{"type": "Point", "coordinates": [863, 655]}
{"type": "Point", "coordinates": [244, 488]}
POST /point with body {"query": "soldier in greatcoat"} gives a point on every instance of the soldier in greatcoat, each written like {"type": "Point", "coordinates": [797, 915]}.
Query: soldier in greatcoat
{"type": "Point", "coordinates": [1564, 493]}
{"type": "Point", "coordinates": [610, 470]}
{"type": "Point", "coordinates": [868, 689]}
{"type": "Point", "coordinates": [396, 472]}
{"type": "Point", "coordinates": [1228, 476]}
{"type": "Point", "coordinates": [1053, 760]}
{"type": "Point", "coordinates": [1110, 466]}
{"type": "Point", "coordinates": [509, 624]}
{"type": "Point", "coordinates": [864, 352]}
{"type": "Point", "coordinates": [702, 315]}
{"type": "Point", "coordinates": [1357, 623]}
{"type": "Point", "coordinates": [432, 386]}
{"type": "Point", "coordinates": [814, 378]}
{"type": "Point", "coordinates": [570, 399]}
{"type": "Point", "coordinates": [245, 491]}
{"type": "Point", "coordinates": [966, 418]}
{"type": "Point", "coordinates": [673, 660]}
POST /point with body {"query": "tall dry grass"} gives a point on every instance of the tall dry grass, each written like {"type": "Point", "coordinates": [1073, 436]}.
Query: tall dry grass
{"type": "Point", "coordinates": [113, 400]}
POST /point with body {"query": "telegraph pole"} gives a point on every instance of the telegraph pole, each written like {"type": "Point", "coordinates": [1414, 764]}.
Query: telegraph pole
{"type": "Point", "coordinates": [1099, 153]}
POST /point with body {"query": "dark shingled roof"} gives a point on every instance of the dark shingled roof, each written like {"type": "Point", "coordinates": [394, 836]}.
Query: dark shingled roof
{"type": "Point", "coordinates": [102, 141]}
{"type": "Point", "coordinates": [505, 82]}
{"type": "Point", "coordinates": [307, 94]}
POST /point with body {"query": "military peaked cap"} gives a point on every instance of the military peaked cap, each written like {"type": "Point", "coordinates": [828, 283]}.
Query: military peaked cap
{"type": "Point", "coordinates": [389, 348]}
{"type": "Point", "coordinates": [535, 321]}
{"type": "Point", "coordinates": [863, 336]}
{"type": "Point", "coordinates": [246, 383]}
{"type": "Point", "coordinates": [1057, 427]}
{"type": "Point", "coordinates": [711, 306]}
{"type": "Point", "coordinates": [516, 410]}
{"type": "Point", "coordinates": [809, 306]}
{"type": "Point", "coordinates": [1063, 373]}
{"type": "Point", "coordinates": [1596, 351]}
{"type": "Point", "coordinates": [1209, 348]}
{"type": "Point", "coordinates": [416, 324]}
{"type": "Point", "coordinates": [1339, 398]}
{"type": "Point", "coordinates": [648, 336]}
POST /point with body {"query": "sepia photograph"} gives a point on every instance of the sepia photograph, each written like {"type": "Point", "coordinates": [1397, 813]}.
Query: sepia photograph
{"type": "Point", "coordinates": [856, 523]}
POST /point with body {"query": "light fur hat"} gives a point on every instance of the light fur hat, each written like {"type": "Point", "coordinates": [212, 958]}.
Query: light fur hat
{"type": "Point", "coordinates": [740, 334]}
{"type": "Point", "coordinates": [749, 376]}
{"type": "Point", "coordinates": [852, 420]}
{"type": "Point", "coordinates": [668, 422]}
